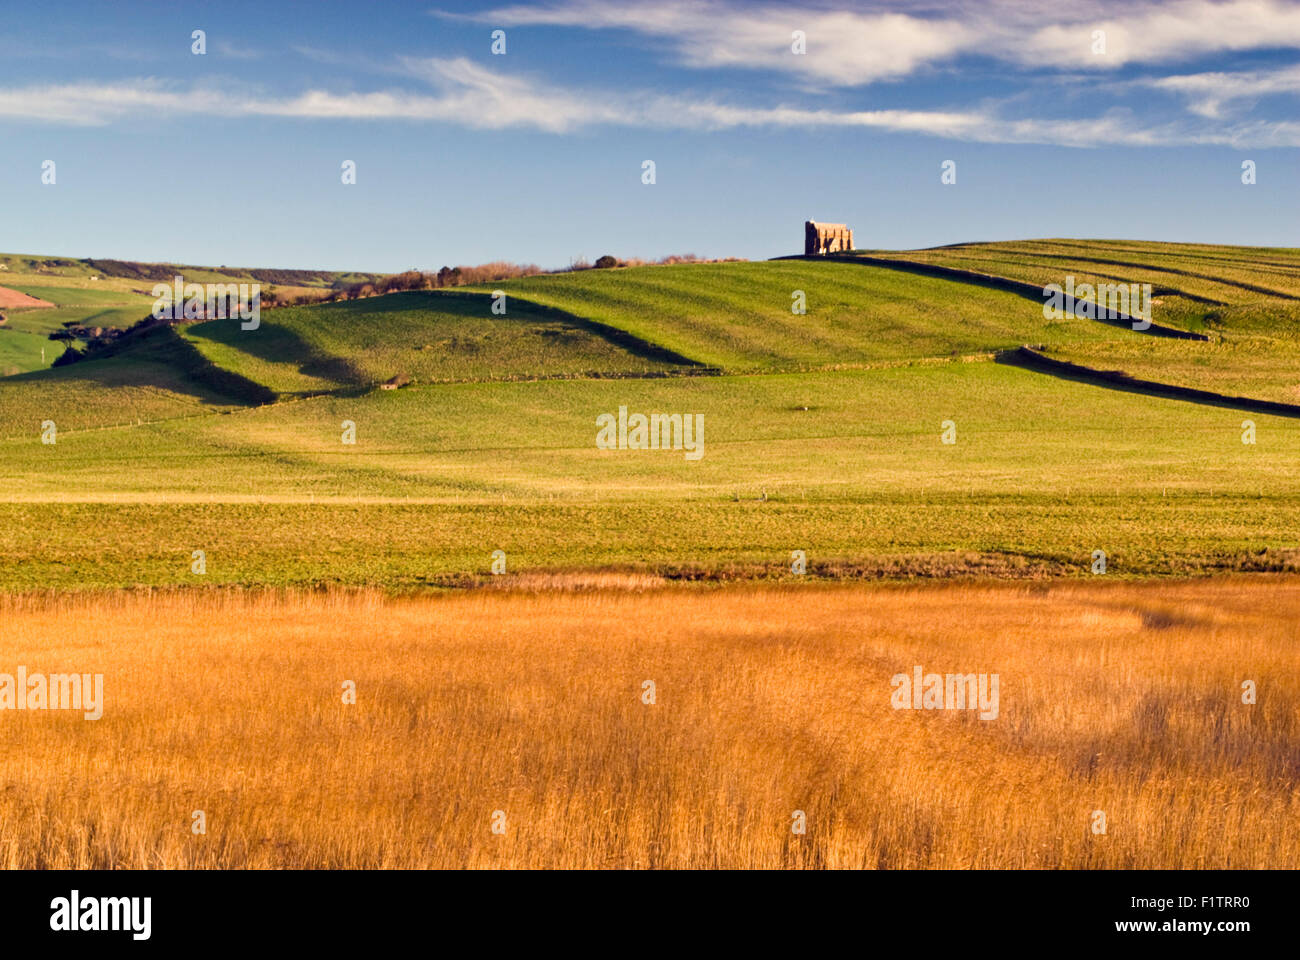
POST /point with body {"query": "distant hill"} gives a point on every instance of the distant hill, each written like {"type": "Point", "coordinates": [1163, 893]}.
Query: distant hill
{"type": "Point", "coordinates": [883, 419]}
{"type": "Point", "coordinates": [158, 272]}
{"type": "Point", "coordinates": [792, 315]}
{"type": "Point", "coordinates": [653, 320]}
{"type": "Point", "coordinates": [114, 294]}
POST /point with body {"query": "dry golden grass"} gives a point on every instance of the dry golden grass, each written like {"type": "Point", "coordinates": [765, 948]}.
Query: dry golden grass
{"type": "Point", "coordinates": [1123, 697]}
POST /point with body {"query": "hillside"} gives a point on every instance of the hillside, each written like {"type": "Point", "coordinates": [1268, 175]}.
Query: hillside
{"type": "Point", "coordinates": [133, 271]}
{"type": "Point", "coordinates": [423, 336]}
{"type": "Point", "coordinates": [728, 317]}
{"type": "Point", "coordinates": [823, 432]}
{"type": "Point", "coordinates": [1244, 300]}
{"type": "Point", "coordinates": [732, 317]}
{"type": "Point", "coordinates": [111, 294]}
{"type": "Point", "coordinates": [739, 316]}
{"type": "Point", "coordinates": [1184, 274]}
{"type": "Point", "coordinates": [24, 339]}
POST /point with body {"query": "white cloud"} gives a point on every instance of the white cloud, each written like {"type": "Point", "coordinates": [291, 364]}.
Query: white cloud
{"type": "Point", "coordinates": [1158, 34]}
{"type": "Point", "coordinates": [88, 104]}
{"type": "Point", "coordinates": [468, 94]}
{"type": "Point", "coordinates": [843, 47]}
{"type": "Point", "coordinates": [1210, 93]}
{"type": "Point", "coordinates": [883, 40]}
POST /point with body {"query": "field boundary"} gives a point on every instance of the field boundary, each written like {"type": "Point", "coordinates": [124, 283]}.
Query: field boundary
{"type": "Point", "coordinates": [1248, 287]}
{"type": "Point", "coordinates": [1240, 285]}
{"type": "Point", "coordinates": [1022, 288]}
{"type": "Point", "coordinates": [1031, 359]}
{"type": "Point", "coordinates": [11, 299]}
{"type": "Point", "coordinates": [1157, 289]}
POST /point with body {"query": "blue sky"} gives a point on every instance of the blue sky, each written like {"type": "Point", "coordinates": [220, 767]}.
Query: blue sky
{"type": "Point", "coordinates": [234, 157]}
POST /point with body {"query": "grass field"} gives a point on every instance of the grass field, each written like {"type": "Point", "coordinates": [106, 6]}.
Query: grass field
{"type": "Point", "coordinates": [1246, 300]}
{"type": "Point", "coordinates": [348, 533]}
{"type": "Point", "coordinates": [1254, 352]}
{"type": "Point", "coordinates": [107, 294]}
{"type": "Point", "coordinates": [1119, 698]}
{"type": "Point", "coordinates": [425, 337]}
{"type": "Point", "coordinates": [852, 465]}
{"type": "Point", "coordinates": [170, 446]}
{"type": "Point", "coordinates": [24, 342]}
{"type": "Point", "coordinates": [738, 316]}
{"type": "Point", "coordinates": [1227, 275]}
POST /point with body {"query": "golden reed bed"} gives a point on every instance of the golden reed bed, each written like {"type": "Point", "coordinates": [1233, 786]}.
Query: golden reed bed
{"type": "Point", "coordinates": [526, 710]}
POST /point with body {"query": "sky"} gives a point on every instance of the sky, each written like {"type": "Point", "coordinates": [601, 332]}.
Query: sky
{"type": "Point", "coordinates": [1083, 119]}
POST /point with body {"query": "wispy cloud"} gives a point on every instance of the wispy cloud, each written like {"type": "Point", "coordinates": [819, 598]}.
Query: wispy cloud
{"type": "Point", "coordinates": [844, 47]}
{"type": "Point", "coordinates": [1209, 94]}
{"type": "Point", "coordinates": [227, 49]}
{"type": "Point", "coordinates": [467, 94]}
{"type": "Point", "coordinates": [94, 104]}
{"type": "Point", "coordinates": [887, 40]}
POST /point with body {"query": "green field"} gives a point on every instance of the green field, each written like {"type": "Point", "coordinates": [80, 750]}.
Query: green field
{"type": "Point", "coordinates": [822, 433]}
{"type": "Point", "coordinates": [1245, 300]}
{"type": "Point", "coordinates": [23, 348]}
{"type": "Point", "coordinates": [425, 337]}
{"type": "Point", "coordinates": [105, 293]}
{"type": "Point", "coordinates": [1226, 275]}
{"type": "Point", "coordinates": [24, 339]}
{"type": "Point", "coordinates": [1257, 355]}
{"type": "Point", "coordinates": [133, 274]}
{"type": "Point", "coordinates": [738, 316]}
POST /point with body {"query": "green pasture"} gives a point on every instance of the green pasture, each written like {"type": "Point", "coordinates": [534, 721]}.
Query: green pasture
{"type": "Point", "coordinates": [823, 432]}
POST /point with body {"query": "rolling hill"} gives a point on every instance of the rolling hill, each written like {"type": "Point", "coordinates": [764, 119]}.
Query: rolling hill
{"type": "Point", "coordinates": [109, 294]}
{"type": "Point", "coordinates": [423, 336]}
{"type": "Point", "coordinates": [1245, 300]}
{"type": "Point", "coordinates": [824, 431]}
{"type": "Point", "coordinates": [739, 317]}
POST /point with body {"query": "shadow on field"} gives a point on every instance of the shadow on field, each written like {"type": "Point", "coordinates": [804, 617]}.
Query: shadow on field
{"type": "Point", "coordinates": [1030, 359]}
{"type": "Point", "coordinates": [144, 358]}
{"type": "Point", "coordinates": [278, 344]}
{"type": "Point", "coordinates": [634, 345]}
{"type": "Point", "coordinates": [1020, 288]}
